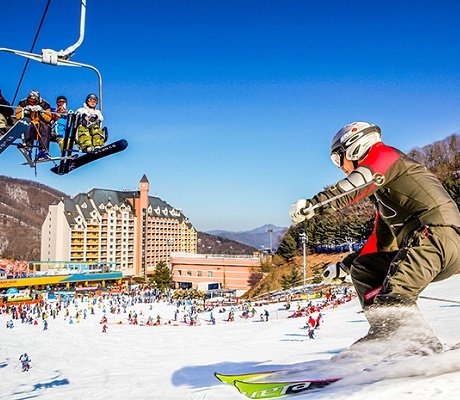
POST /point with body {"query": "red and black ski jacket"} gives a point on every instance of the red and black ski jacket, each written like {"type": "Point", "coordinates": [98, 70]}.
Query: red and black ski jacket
{"type": "Point", "coordinates": [409, 198]}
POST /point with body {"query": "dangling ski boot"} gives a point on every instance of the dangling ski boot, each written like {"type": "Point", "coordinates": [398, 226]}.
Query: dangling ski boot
{"type": "Point", "coordinates": [43, 155]}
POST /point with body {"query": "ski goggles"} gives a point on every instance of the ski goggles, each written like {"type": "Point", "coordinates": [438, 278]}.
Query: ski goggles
{"type": "Point", "coordinates": [337, 157]}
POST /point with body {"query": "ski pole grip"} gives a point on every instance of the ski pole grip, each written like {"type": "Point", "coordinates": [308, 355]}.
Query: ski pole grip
{"type": "Point", "coordinates": [306, 210]}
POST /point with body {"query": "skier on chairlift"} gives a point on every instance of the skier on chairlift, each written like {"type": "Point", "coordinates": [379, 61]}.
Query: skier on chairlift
{"type": "Point", "coordinates": [90, 133]}
{"type": "Point", "coordinates": [39, 112]}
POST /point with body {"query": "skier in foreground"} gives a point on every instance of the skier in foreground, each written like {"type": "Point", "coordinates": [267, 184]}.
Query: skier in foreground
{"type": "Point", "coordinates": [414, 211]}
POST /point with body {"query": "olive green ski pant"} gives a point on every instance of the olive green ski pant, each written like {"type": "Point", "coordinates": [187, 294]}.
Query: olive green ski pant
{"type": "Point", "coordinates": [430, 254]}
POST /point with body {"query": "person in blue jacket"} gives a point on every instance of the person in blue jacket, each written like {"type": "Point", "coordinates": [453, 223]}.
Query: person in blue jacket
{"type": "Point", "coordinates": [59, 120]}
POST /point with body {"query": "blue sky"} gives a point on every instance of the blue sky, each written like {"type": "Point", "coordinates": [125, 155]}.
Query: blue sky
{"type": "Point", "coordinates": [229, 107]}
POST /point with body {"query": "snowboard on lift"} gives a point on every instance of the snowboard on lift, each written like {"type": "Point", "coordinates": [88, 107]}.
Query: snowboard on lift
{"type": "Point", "coordinates": [16, 130]}
{"type": "Point", "coordinates": [77, 162]}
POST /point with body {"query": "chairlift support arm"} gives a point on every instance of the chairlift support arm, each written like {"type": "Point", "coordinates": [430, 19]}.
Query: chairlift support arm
{"type": "Point", "coordinates": [62, 57]}
{"type": "Point", "coordinates": [67, 53]}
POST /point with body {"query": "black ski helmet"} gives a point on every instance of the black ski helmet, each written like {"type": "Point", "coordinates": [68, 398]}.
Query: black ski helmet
{"type": "Point", "coordinates": [61, 98]}
{"type": "Point", "coordinates": [91, 96]}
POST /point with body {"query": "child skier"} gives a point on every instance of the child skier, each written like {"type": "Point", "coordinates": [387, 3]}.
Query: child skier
{"type": "Point", "coordinates": [25, 361]}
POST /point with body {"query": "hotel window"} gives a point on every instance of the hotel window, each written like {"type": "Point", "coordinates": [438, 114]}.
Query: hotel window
{"type": "Point", "coordinates": [199, 273]}
{"type": "Point", "coordinates": [189, 273]}
{"type": "Point", "coordinates": [209, 274]}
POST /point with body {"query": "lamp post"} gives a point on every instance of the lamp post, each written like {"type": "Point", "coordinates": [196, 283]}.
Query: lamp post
{"type": "Point", "coordinates": [270, 231]}
{"type": "Point", "coordinates": [222, 286]}
{"type": "Point", "coordinates": [304, 238]}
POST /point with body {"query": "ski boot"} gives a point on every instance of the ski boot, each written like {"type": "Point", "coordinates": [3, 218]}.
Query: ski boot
{"type": "Point", "coordinates": [43, 155]}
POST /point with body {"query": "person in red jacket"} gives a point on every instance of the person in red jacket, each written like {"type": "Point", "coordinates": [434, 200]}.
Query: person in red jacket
{"type": "Point", "coordinates": [415, 239]}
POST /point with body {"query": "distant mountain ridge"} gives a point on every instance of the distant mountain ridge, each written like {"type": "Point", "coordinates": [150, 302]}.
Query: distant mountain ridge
{"type": "Point", "coordinates": [215, 244]}
{"type": "Point", "coordinates": [257, 237]}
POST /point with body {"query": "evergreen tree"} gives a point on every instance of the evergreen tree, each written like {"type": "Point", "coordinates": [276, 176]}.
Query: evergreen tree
{"type": "Point", "coordinates": [291, 280]}
{"type": "Point", "coordinates": [288, 246]}
{"type": "Point", "coordinates": [162, 276]}
{"type": "Point", "coordinates": [452, 185]}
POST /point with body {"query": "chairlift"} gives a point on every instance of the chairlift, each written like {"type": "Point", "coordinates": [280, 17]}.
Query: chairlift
{"type": "Point", "coordinates": [62, 57]}
{"type": "Point", "coordinates": [67, 161]}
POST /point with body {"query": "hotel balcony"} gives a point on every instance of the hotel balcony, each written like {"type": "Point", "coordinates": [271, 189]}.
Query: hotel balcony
{"type": "Point", "coordinates": [77, 248]}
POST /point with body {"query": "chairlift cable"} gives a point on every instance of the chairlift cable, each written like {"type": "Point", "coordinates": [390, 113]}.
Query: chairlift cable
{"type": "Point", "coordinates": [31, 50]}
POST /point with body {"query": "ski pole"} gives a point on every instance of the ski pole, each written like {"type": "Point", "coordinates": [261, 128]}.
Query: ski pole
{"type": "Point", "coordinates": [40, 138]}
{"type": "Point", "coordinates": [439, 299]}
{"type": "Point", "coordinates": [377, 179]}
{"type": "Point", "coordinates": [376, 291]}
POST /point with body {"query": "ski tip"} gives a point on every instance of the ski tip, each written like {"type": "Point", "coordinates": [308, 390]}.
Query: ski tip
{"type": "Point", "coordinates": [224, 378]}
{"type": "Point", "coordinates": [241, 386]}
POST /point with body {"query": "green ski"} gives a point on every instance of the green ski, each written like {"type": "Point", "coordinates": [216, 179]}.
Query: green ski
{"type": "Point", "coordinates": [269, 390]}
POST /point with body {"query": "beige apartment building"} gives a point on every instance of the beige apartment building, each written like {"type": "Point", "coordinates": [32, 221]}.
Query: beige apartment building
{"type": "Point", "coordinates": [129, 228]}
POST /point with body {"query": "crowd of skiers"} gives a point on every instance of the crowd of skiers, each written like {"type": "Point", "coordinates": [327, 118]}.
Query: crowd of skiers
{"type": "Point", "coordinates": [122, 308]}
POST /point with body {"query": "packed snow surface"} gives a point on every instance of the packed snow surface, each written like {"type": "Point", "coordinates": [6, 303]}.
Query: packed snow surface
{"type": "Point", "coordinates": [177, 361]}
